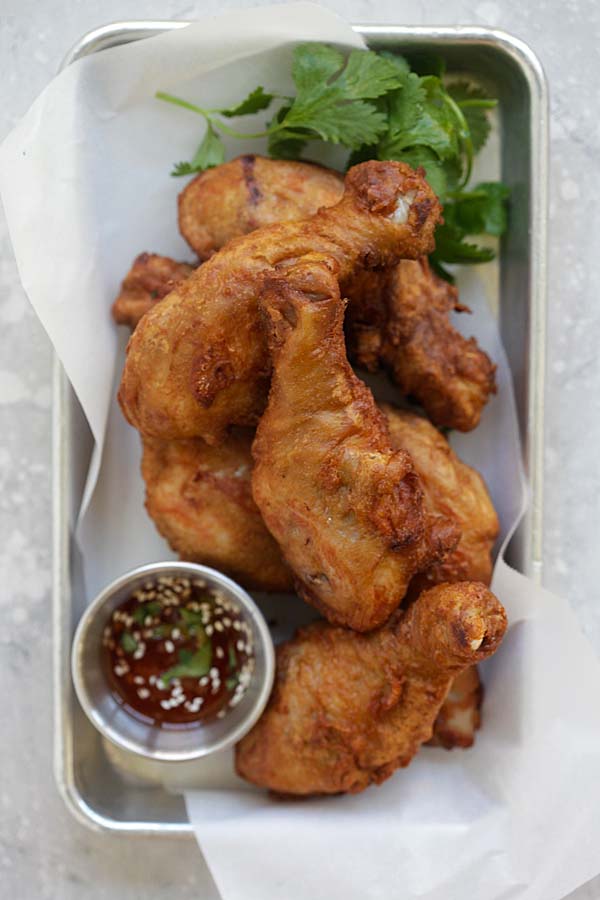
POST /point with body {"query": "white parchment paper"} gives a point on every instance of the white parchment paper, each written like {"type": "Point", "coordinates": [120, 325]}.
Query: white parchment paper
{"type": "Point", "coordinates": [85, 187]}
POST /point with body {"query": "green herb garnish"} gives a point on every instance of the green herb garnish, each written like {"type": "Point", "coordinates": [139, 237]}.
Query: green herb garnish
{"type": "Point", "coordinates": [190, 665]}
{"type": "Point", "coordinates": [232, 657]}
{"type": "Point", "coordinates": [128, 642]}
{"type": "Point", "coordinates": [153, 608]}
{"type": "Point", "coordinates": [231, 683]}
{"type": "Point", "coordinates": [191, 619]}
{"type": "Point", "coordinates": [379, 108]}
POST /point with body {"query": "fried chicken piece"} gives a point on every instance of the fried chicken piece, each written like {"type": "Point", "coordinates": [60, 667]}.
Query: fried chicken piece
{"type": "Point", "coordinates": [452, 489]}
{"type": "Point", "coordinates": [149, 280]}
{"type": "Point", "coordinates": [460, 714]}
{"type": "Point", "coordinates": [200, 499]}
{"type": "Point", "coordinates": [198, 362]}
{"type": "Point", "coordinates": [250, 192]}
{"type": "Point", "coordinates": [400, 319]}
{"type": "Point", "coordinates": [347, 710]}
{"type": "Point", "coordinates": [345, 508]}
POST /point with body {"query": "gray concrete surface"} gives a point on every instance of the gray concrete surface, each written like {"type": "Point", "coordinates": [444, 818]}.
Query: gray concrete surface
{"type": "Point", "coordinates": [43, 852]}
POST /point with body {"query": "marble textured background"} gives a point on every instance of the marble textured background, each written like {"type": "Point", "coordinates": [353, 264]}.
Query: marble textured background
{"type": "Point", "coordinates": [43, 852]}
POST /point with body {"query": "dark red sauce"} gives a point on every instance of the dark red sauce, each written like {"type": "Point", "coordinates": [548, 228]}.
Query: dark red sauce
{"type": "Point", "coordinates": [177, 653]}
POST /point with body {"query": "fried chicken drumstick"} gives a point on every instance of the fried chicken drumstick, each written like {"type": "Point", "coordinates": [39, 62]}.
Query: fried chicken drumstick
{"type": "Point", "coordinates": [345, 508]}
{"type": "Point", "coordinates": [198, 362]}
{"type": "Point", "coordinates": [200, 499]}
{"type": "Point", "coordinates": [397, 319]}
{"type": "Point", "coordinates": [347, 710]}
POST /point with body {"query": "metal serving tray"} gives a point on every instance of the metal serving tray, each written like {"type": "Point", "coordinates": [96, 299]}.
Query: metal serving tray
{"type": "Point", "coordinates": [106, 792]}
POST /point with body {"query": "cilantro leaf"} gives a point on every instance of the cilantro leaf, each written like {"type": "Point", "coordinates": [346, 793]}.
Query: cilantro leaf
{"type": "Point", "coordinates": [352, 124]}
{"type": "Point", "coordinates": [451, 247]}
{"type": "Point", "coordinates": [401, 64]}
{"type": "Point", "coordinates": [190, 665]}
{"type": "Point", "coordinates": [209, 154]}
{"type": "Point", "coordinates": [418, 115]}
{"type": "Point", "coordinates": [286, 144]}
{"type": "Point", "coordinates": [182, 168]}
{"type": "Point", "coordinates": [480, 211]}
{"type": "Point", "coordinates": [368, 75]}
{"type": "Point", "coordinates": [255, 101]}
{"type": "Point", "coordinates": [153, 608]}
{"type": "Point", "coordinates": [333, 95]}
{"type": "Point", "coordinates": [190, 617]}
{"type": "Point", "coordinates": [232, 659]}
{"type": "Point", "coordinates": [474, 102]}
{"type": "Point", "coordinates": [313, 66]}
{"type": "Point", "coordinates": [128, 642]}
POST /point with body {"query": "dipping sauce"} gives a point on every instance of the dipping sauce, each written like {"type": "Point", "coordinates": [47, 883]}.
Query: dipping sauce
{"type": "Point", "coordinates": [177, 653]}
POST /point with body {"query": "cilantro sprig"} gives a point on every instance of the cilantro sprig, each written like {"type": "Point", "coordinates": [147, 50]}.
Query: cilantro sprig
{"type": "Point", "coordinates": [378, 107]}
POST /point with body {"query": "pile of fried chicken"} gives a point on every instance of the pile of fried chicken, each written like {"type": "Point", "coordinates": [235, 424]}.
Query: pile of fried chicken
{"type": "Point", "coordinates": [266, 456]}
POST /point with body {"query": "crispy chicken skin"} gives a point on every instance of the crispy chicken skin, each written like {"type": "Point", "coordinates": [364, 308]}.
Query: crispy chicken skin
{"type": "Point", "coordinates": [201, 502]}
{"type": "Point", "coordinates": [198, 362]}
{"type": "Point", "coordinates": [453, 489]}
{"type": "Point", "coordinates": [250, 192]}
{"type": "Point", "coordinates": [149, 280]}
{"type": "Point", "coordinates": [401, 320]}
{"type": "Point", "coordinates": [346, 509]}
{"type": "Point", "coordinates": [347, 710]}
{"type": "Point", "coordinates": [460, 715]}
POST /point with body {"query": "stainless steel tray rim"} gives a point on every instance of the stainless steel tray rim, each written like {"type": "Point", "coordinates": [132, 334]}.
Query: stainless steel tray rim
{"type": "Point", "coordinates": [116, 33]}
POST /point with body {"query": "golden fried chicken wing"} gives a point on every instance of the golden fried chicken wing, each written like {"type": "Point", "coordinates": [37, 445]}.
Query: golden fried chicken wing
{"type": "Point", "coordinates": [250, 192]}
{"type": "Point", "coordinates": [345, 508]}
{"type": "Point", "coordinates": [200, 499]}
{"type": "Point", "coordinates": [198, 362]}
{"type": "Point", "coordinates": [401, 319]}
{"type": "Point", "coordinates": [453, 489]}
{"type": "Point", "coordinates": [347, 710]}
{"type": "Point", "coordinates": [149, 280]}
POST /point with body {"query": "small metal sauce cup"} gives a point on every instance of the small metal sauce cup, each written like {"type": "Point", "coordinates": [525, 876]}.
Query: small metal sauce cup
{"type": "Point", "coordinates": [123, 729]}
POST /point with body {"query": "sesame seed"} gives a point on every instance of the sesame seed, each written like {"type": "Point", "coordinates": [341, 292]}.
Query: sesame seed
{"type": "Point", "coordinates": [240, 645]}
{"type": "Point", "coordinates": [152, 679]}
{"type": "Point", "coordinates": [169, 646]}
{"type": "Point", "coordinates": [175, 634]}
{"type": "Point", "coordinates": [227, 622]}
{"type": "Point", "coordinates": [236, 626]}
{"type": "Point", "coordinates": [221, 714]}
{"type": "Point", "coordinates": [219, 653]}
{"type": "Point", "coordinates": [203, 681]}
{"type": "Point", "coordinates": [165, 704]}
{"type": "Point", "coordinates": [143, 693]}
{"type": "Point", "coordinates": [138, 679]}
{"type": "Point", "coordinates": [218, 626]}
{"type": "Point", "coordinates": [209, 630]}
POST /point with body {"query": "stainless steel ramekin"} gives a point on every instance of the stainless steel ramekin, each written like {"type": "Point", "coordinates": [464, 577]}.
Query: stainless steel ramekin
{"type": "Point", "coordinates": [119, 726]}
